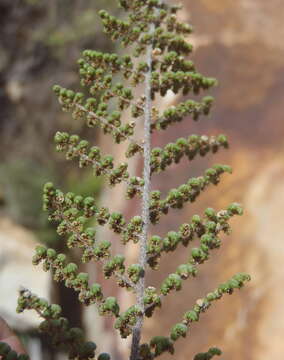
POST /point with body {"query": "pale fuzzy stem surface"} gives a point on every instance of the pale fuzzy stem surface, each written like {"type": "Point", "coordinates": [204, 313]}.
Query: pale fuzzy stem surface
{"type": "Point", "coordinates": [145, 206]}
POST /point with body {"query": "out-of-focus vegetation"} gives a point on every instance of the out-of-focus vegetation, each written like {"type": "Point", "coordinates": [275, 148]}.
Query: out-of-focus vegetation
{"type": "Point", "coordinates": [40, 42]}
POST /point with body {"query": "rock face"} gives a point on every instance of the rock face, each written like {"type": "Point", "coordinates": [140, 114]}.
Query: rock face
{"type": "Point", "coordinates": [16, 270]}
{"type": "Point", "coordinates": [264, 202]}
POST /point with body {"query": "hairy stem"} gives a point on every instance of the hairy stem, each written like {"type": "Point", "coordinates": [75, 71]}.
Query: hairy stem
{"type": "Point", "coordinates": [145, 206]}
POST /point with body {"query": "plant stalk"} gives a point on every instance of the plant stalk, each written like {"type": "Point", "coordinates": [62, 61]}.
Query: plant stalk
{"type": "Point", "coordinates": [136, 335]}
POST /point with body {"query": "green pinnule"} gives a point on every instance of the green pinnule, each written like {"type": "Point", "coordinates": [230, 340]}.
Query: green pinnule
{"type": "Point", "coordinates": [158, 63]}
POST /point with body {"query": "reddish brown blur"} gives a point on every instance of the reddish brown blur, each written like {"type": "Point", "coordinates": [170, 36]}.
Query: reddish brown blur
{"type": "Point", "coordinates": [7, 336]}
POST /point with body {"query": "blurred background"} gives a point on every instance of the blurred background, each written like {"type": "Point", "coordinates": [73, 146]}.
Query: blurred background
{"type": "Point", "coordinates": [239, 43]}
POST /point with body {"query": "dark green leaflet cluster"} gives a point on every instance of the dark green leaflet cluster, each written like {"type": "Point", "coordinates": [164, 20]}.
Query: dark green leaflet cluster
{"type": "Point", "coordinates": [188, 192]}
{"type": "Point", "coordinates": [161, 344]}
{"type": "Point", "coordinates": [174, 152]}
{"type": "Point", "coordinates": [159, 62]}
{"type": "Point", "coordinates": [72, 212]}
{"type": "Point", "coordinates": [207, 229]}
{"type": "Point", "coordinates": [127, 320]}
{"type": "Point", "coordinates": [102, 165]}
{"type": "Point", "coordinates": [168, 34]}
{"type": "Point", "coordinates": [180, 80]}
{"type": "Point", "coordinates": [181, 329]}
{"type": "Point", "coordinates": [177, 113]}
{"type": "Point", "coordinates": [68, 272]}
{"type": "Point", "coordinates": [6, 353]}
{"type": "Point", "coordinates": [208, 355]}
{"type": "Point", "coordinates": [208, 234]}
{"type": "Point", "coordinates": [97, 70]}
{"type": "Point", "coordinates": [92, 294]}
{"type": "Point", "coordinates": [94, 114]}
{"type": "Point", "coordinates": [57, 327]}
{"type": "Point", "coordinates": [94, 65]}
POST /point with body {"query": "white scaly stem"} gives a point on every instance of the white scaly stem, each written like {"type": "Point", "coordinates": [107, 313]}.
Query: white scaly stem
{"type": "Point", "coordinates": [145, 205]}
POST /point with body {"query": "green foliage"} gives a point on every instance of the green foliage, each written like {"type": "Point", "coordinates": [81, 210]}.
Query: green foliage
{"type": "Point", "coordinates": [7, 353]}
{"type": "Point", "coordinates": [208, 355]}
{"type": "Point", "coordinates": [57, 327]}
{"type": "Point", "coordinates": [158, 40]}
{"type": "Point", "coordinates": [21, 182]}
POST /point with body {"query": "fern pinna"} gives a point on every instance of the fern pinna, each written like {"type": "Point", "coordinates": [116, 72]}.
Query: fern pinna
{"type": "Point", "coordinates": [157, 63]}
